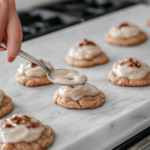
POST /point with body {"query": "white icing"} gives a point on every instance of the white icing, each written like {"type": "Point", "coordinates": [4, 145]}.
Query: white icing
{"type": "Point", "coordinates": [79, 91]}
{"type": "Point", "coordinates": [84, 52]}
{"type": "Point", "coordinates": [125, 31]}
{"type": "Point", "coordinates": [131, 72]}
{"type": "Point", "coordinates": [37, 71]}
{"type": "Point", "coordinates": [20, 133]}
{"type": "Point", "coordinates": [67, 77]}
{"type": "Point", "coordinates": [2, 94]}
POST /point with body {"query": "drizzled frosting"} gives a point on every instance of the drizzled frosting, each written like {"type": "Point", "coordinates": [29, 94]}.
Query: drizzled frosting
{"type": "Point", "coordinates": [2, 94]}
{"type": "Point", "coordinates": [84, 52]}
{"type": "Point", "coordinates": [67, 77]}
{"type": "Point", "coordinates": [37, 71]}
{"type": "Point", "coordinates": [125, 31]}
{"type": "Point", "coordinates": [131, 72]}
{"type": "Point", "coordinates": [19, 133]}
{"type": "Point", "coordinates": [79, 91]}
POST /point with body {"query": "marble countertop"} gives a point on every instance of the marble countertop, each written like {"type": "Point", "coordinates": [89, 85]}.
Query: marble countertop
{"type": "Point", "coordinates": [126, 110]}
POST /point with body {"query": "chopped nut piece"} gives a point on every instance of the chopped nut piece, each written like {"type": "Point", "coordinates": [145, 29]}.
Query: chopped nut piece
{"type": "Point", "coordinates": [81, 44]}
{"type": "Point", "coordinates": [131, 63]}
{"type": "Point", "coordinates": [34, 124]}
{"type": "Point", "coordinates": [123, 25]}
{"type": "Point", "coordinates": [32, 64]}
{"type": "Point", "coordinates": [7, 125]}
{"type": "Point", "coordinates": [122, 63]}
{"type": "Point", "coordinates": [26, 118]}
{"type": "Point", "coordinates": [71, 86]}
{"type": "Point", "coordinates": [138, 65]}
{"type": "Point", "coordinates": [41, 60]}
{"type": "Point", "coordinates": [86, 42]}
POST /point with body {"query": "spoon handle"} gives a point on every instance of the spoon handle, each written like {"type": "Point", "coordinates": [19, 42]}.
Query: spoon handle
{"type": "Point", "coordinates": [28, 57]}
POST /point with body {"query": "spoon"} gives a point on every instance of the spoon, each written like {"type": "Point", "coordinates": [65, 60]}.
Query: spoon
{"type": "Point", "coordinates": [63, 77]}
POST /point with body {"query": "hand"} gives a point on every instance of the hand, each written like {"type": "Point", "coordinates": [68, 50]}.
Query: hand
{"type": "Point", "coordinates": [10, 29]}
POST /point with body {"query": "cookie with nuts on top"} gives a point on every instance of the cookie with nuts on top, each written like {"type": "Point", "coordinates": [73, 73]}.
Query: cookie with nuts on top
{"type": "Point", "coordinates": [86, 54]}
{"type": "Point", "coordinates": [125, 34]}
{"type": "Point", "coordinates": [29, 74]}
{"type": "Point", "coordinates": [22, 132]}
{"type": "Point", "coordinates": [6, 104]}
{"type": "Point", "coordinates": [130, 72]}
{"type": "Point", "coordinates": [79, 97]}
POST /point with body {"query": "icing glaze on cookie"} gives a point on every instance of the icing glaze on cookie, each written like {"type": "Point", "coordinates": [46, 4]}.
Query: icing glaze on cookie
{"type": "Point", "coordinates": [20, 128]}
{"type": "Point", "coordinates": [132, 72]}
{"type": "Point", "coordinates": [78, 92]}
{"type": "Point", "coordinates": [2, 94]}
{"type": "Point", "coordinates": [36, 71]}
{"type": "Point", "coordinates": [125, 31]}
{"type": "Point", "coordinates": [84, 52]}
{"type": "Point", "coordinates": [67, 77]}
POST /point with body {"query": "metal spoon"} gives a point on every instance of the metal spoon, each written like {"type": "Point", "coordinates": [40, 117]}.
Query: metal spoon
{"type": "Point", "coordinates": [50, 73]}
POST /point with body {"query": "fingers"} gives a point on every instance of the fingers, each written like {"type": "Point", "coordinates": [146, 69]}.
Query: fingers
{"type": "Point", "coordinates": [14, 33]}
{"type": "Point", "coordinates": [3, 18]}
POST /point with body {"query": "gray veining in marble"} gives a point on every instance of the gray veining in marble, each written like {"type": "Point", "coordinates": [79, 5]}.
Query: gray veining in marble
{"type": "Point", "coordinates": [126, 110]}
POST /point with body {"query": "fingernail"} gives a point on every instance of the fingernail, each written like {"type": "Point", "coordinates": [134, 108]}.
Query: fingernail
{"type": "Point", "coordinates": [11, 59]}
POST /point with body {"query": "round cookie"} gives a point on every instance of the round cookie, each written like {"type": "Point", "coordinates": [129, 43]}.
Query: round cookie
{"type": "Point", "coordinates": [42, 143]}
{"type": "Point", "coordinates": [32, 81]}
{"type": "Point", "coordinates": [86, 54]}
{"type": "Point", "coordinates": [134, 81]}
{"type": "Point", "coordinates": [6, 107]}
{"type": "Point", "coordinates": [84, 103]}
{"type": "Point", "coordinates": [98, 60]}
{"type": "Point", "coordinates": [31, 75]}
{"type": "Point", "coordinates": [125, 34]}
{"type": "Point", "coordinates": [142, 37]}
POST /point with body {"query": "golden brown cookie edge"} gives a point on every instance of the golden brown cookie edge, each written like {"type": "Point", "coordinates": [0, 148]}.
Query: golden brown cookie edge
{"type": "Point", "coordinates": [32, 81]}
{"type": "Point", "coordinates": [98, 60]}
{"type": "Point", "coordinates": [136, 40]}
{"type": "Point", "coordinates": [42, 141]}
{"type": "Point", "coordinates": [82, 103]}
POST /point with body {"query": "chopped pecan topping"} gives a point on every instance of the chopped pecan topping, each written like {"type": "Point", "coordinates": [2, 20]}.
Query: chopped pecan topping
{"type": "Point", "coordinates": [32, 64]}
{"type": "Point", "coordinates": [8, 125]}
{"type": "Point", "coordinates": [26, 118]}
{"type": "Point", "coordinates": [71, 86]}
{"type": "Point", "coordinates": [123, 25]}
{"type": "Point", "coordinates": [22, 120]}
{"type": "Point", "coordinates": [86, 42]}
{"type": "Point", "coordinates": [131, 63]}
{"type": "Point", "coordinates": [34, 124]}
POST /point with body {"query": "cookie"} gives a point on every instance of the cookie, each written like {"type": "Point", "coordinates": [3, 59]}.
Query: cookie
{"type": "Point", "coordinates": [42, 143]}
{"type": "Point", "coordinates": [121, 81]}
{"type": "Point", "coordinates": [135, 40]}
{"type": "Point", "coordinates": [29, 74]}
{"type": "Point", "coordinates": [32, 81]}
{"type": "Point", "coordinates": [100, 59]}
{"type": "Point", "coordinates": [84, 103]}
{"type": "Point", "coordinates": [6, 107]}
{"type": "Point", "coordinates": [86, 54]}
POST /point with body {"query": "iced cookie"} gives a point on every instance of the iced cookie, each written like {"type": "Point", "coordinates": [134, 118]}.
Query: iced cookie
{"type": "Point", "coordinates": [29, 74]}
{"type": "Point", "coordinates": [86, 54]}
{"type": "Point", "coordinates": [6, 104]}
{"type": "Point", "coordinates": [21, 132]}
{"type": "Point", "coordinates": [125, 34]}
{"type": "Point", "coordinates": [79, 97]}
{"type": "Point", "coordinates": [130, 72]}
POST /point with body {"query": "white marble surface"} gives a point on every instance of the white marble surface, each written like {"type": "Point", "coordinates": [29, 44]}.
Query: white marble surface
{"type": "Point", "coordinates": [126, 110]}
